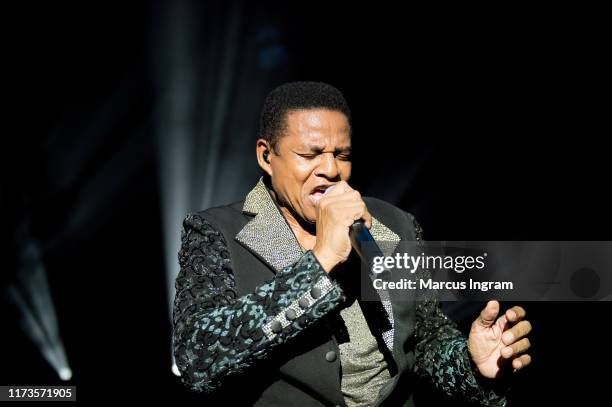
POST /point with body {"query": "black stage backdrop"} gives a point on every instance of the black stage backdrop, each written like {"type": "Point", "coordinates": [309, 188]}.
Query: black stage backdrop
{"type": "Point", "coordinates": [486, 124]}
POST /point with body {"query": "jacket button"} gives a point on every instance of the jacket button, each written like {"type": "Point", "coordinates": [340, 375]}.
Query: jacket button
{"type": "Point", "coordinates": [315, 292]}
{"type": "Point", "coordinates": [276, 327]}
{"type": "Point", "coordinates": [303, 303]}
{"type": "Point", "coordinates": [290, 314]}
{"type": "Point", "coordinates": [330, 356]}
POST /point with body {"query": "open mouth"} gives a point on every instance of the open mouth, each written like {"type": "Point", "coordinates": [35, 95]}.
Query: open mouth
{"type": "Point", "coordinates": [317, 193]}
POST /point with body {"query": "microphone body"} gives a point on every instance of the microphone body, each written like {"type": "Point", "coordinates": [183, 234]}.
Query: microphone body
{"type": "Point", "coordinates": [359, 236]}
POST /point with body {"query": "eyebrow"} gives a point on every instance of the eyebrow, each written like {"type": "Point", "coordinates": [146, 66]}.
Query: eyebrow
{"type": "Point", "coordinates": [337, 150]}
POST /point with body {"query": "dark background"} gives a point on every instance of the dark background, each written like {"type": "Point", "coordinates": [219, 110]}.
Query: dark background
{"type": "Point", "coordinates": [486, 124]}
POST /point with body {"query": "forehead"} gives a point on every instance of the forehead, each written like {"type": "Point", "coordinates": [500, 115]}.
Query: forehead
{"type": "Point", "coordinates": [318, 126]}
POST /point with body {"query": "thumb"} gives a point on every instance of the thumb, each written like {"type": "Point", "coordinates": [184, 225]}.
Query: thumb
{"type": "Point", "coordinates": [488, 314]}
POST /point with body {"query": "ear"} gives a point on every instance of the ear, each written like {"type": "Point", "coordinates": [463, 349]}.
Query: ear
{"type": "Point", "coordinates": [263, 146]}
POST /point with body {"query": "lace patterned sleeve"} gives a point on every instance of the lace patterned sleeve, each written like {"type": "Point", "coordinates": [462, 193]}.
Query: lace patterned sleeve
{"type": "Point", "coordinates": [442, 357]}
{"type": "Point", "coordinates": [218, 334]}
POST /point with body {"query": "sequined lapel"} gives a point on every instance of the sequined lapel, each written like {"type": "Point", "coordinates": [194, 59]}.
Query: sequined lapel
{"type": "Point", "coordinates": [385, 237]}
{"type": "Point", "coordinates": [268, 234]}
{"type": "Point", "coordinates": [387, 240]}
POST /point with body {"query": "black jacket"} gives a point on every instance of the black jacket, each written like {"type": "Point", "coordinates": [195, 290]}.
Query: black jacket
{"type": "Point", "coordinates": [256, 317]}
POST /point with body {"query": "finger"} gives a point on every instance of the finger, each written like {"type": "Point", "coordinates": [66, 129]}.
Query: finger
{"type": "Point", "coordinates": [488, 314]}
{"type": "Point", "coordinates": [349, 213]}
{"type": "Point", "coordinates": [342, 197]}
{"type": "Point", "coordinates": [351, 195]}
{"type": "Point", "coordinates": [516, 332]}
{"type": "Point", "coordinates": [343, 204]}
{"type": "Point", "coordinates": [353, 213]}
{"type": "Point", "coordinates": [334, 199]}
{"type": "Point", "coordinates": [360, 212]}
{"type": "Point", "coordinates": [502, 322]}
{"type": "Point", "coordinates": [516, 348]}
{"type": "Point", "coordinates": [338, 189]}
{"type": "Point", "coordinates": [521, 362]}
{"type": "Point", "coordinates": [515, 313]}
{"type": "Point", "coordinates": [367, 219]}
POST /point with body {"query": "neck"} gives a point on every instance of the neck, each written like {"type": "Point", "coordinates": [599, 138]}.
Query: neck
{"type": "Point", "coordinates": [297, 223]}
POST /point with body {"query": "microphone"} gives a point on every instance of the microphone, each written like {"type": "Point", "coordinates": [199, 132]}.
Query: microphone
{"type": "Point", "coordinates": [359, 236]}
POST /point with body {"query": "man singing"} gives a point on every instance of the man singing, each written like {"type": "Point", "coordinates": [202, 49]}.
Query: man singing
{"type": "Point", "coordinates": [267, 309]}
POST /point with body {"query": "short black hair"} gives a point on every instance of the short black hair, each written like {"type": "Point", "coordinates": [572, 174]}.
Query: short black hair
{"type": "Point", "coordinates": [297, 96]}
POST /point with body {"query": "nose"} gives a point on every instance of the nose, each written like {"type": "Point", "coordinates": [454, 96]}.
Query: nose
{"type": "Point", "coordinates": [327, 167]}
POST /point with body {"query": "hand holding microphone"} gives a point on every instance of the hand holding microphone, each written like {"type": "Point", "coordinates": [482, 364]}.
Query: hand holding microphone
{"type": "Point", "coordinates": [337, 210]}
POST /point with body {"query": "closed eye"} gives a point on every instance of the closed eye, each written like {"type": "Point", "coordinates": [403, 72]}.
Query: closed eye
{"type": "Point", "coordinates": [344, 156]}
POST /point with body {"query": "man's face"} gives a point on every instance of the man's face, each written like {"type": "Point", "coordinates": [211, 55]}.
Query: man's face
{"type": "Point", "coordinates": [313, 154]}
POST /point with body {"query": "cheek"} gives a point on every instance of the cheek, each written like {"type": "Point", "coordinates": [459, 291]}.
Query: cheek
{"type": "Point", "coordinates": [293, 173]}
{"type": "Point", "coordinates": [303, 169]}
{"type": "Point", "coordinates": [294, 179]}
{"type": "Point", "coordinates": [301, 174]}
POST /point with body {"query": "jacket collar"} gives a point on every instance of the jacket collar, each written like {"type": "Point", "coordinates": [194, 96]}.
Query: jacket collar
{"type": "Point", "coordinates": [269, 236]}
